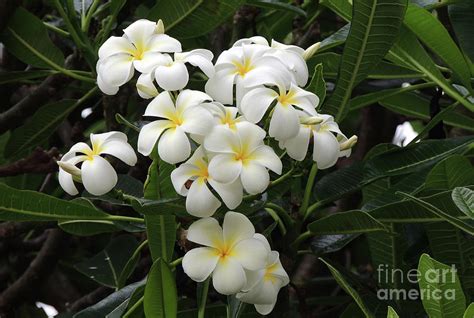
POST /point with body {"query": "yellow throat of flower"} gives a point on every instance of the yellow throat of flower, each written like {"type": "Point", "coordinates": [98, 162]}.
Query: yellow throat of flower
{"type": "Point", "coordinates": [243, 68]}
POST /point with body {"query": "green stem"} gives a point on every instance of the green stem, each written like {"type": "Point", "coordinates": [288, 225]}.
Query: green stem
{"type": "Point", "coordinates": [282, 213]}
{"type": "Point", "coordinates": [134, 307]}
{"type": "Point", "coordinates": [87, 19]}
{"type": "Point", "coordinates": [277, 219]}
{"type": "Point", "coordinates": [309, 188]}
{"type": "Point", "coordinates": [282, 178]}
{"type": "Point", "coordinates": [124, 218]}
{"type": "Point", "coordinates": [312, 208]}
{"type": "Point", "coordinates": [300, 239]}
{"type": "Point", "coordinates": [203, 300]}
{"type": "Point", "coordinates": [176, 262]}
{"type": "Point", "coordinates": [56, 29]}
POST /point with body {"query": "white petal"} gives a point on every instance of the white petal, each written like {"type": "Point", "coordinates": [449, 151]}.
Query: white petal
{"type": "Point", "coordinates": [224, 168]}
{"type": "Point", "coordinates": [149, 134]}
{"type": "Point", "coordinates": [197, 120]}
{"type": "Point", "coordinates": [265, 309]}
{"type": "Point", "coordinates": [115, 45]}
{"type": "Point", "coordinates": [139, 32]}
{"type": "Point", "coordinates": [254, 39]}
{"type": "Point", "coordinates": [251, 135]}
{"type": "Point", "coordinates": [229, 277]}
{"type": "Point", "coordinates": [326, 149]}
{"type": "Point", "coordinates": [161, 106]}
{"type": "Point", "coordinates": [200, 58]}
{"type": "Point", "coordinates": [150, 60]}
{"type": "Point", "coordinates": [285, 122]}
{"type": "Point", "coordinates": [189, 98]}
{"type": "Point", "coordinates": [277, 269]}
{"type": "Point", "coordinates": [231, 193]}
{"type": "Point", "coordinates": [120, 150]}
{"type": "Point", "coordinates": [221, 86]}
{"type": "Point", "coordinates": [174, 146]}
{"type": "Point", "coordinates": [173, 77]}
{"type": "Point", "coordinates": [81, 147]}
{"type": "Point", "coordinates": [180, 176]}
{"type": "Point", "coordinates": [105, 87]}
{"type": "Point", "coordinates": [200, 201]}
{"type": "Point", "coordinates": [297, 147]}
{"type": "Point", "coordinates": [199, 263]}
{"type": "Point", "coordinates": [100, 139]}
{"type": "Point", "coordinates": [116, 70]}
{"type": "Point", "coordinates": [236, 227]}
{"type": "Point", "coordinates": [266, 156]}
{"type": "Point", "coordinates": [305, 100]}
{"type": "Point", "coordinates": [145, 87]}
{"type": "Point", "coordinates": [163, 43]}
{"type": "Point", "coordinates": [222, 139]}
{"type": "Point", "coordinates": [255, 178]}
{"type": "Point", "coordinates": [206, 232]}
{"type": "Point", "coordinates": [255, 103]}
{"type": "Point", "coordinates": [251, 253]}
{"type": "Point", "coordinates": [264, 241]}
{"type": "Point", "coordinates": [98, 176]}
{"type": "Point", "coordinates": [66, 182]}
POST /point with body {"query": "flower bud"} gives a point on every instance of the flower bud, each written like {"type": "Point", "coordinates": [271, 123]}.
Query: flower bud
{"type": "Point", "coordinates": [69, 168]}
{"type": "Point", "coordinates": [309, 52]}
{"type": "Point", "coordinates": [349, 143]}
{"type": "Point", "coordinates": [313, 120]}
{"type": "Point", "coordinates": [160, 27]}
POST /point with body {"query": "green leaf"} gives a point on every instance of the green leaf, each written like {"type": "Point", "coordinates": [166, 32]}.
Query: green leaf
{"type": "Point", "coordinates": [317, 84]}
{"type": "Point", "coordinates": [159, 207]}
{"type": "Point", "coordinates": [20, 76]}
{"type": "Point", "coordinates": [349, 222]}
{"type": "Point", "coordinates": [469, 311]}
{"type": "Point", "coordinates": [454, 171]}
{"type": "Point", "coordinates": [42, 125]}
{"type": "Point", "coordinates": [130, 265]}
{"type": "Point", "coordinates": [189, 19]}
{"type": "Point", "coordinates": [466, 227]}
{"type": "Point", "coordinates": [106, 267]}
{"type": "Point", "coordinates": [88, 227]}
{"type": "Point", "coordinates": [110, 303]}
{"type": "Point", "coordinates": [26, 37]}
{"type": "Point", "coordinates": [435, 36]}
{"type": "Point", "coordinates": [335, 39]}
{"type": "Point", "coordinates": [464, 200]}
{"type": "Point", "coordinates": [25, 205]}
{"type": "Point", "coordinates": [342, 7]}
{"type": "Point", "coordinates": [391, 313]}
{"type": "Point", "coordinates": [374, 28]}
{"type": "Point", "coordinates": [460, 14]}
{"type": "Point", "coordinates": [331, 243]}
{"type": "Point", "coordinates": [443, 306]}
{"type": "Point", "coordinates": [160, 292]}
{"type": "Point", "coordinates": [277, 5]}
{"type": "Point", "coordinates": [348, 289]}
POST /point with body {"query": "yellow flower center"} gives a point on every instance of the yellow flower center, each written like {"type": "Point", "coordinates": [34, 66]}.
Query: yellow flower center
{"type": "Point", "coordinates": [287, 98]}
{"type": "Point", "coordinates": [243, 68]}
{"type": "Point", "coordinates": [96, 150]}
{"type": "Point", "coordinates": [268, 276]}
{"type": "Point", "coordinates": [228, 120]}
{"type": "Point", "coordinates": [138, 54]}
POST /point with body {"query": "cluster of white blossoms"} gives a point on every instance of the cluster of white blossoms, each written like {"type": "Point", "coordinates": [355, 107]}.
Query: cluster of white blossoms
{"type": "Point", "coordinates": [216, 140]}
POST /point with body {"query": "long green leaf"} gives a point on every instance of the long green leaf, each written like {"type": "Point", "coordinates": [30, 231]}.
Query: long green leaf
{"type": "Point", "coordinates": [435, 36]}
{"type": "Point", "coordinates": [26, 31]}
{"type": "Point", "coordinates": [374, 28]}
{"type": "Point", "coordinates": [461, 15]}
{"type": "Point", "coordinates": [454, 171]}
{"type": "Point", "coordinates": [161, 299]}
{"type": "Point", "coordinates": [464, 200]}
{"type": "Point", "coordinates": [346, 223]}
{"type": "Point", "coordinates": [433, 277]}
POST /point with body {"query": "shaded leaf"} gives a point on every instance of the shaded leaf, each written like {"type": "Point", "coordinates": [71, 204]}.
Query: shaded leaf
{"type": "Point", "coordinates": [160, 292]}
{"type": "Point", "coordinates": [349, 222]}
{"type": "Point", "coordinates": [317, 84]}
{"type": "Point", "coordinates": [331, 243]}
{"type": "Point", "coordinates": [454, 171]}
{"type": "Point", "coordinates": [464, 200]}
{"type": "Point", "coordinates": [461, 15]}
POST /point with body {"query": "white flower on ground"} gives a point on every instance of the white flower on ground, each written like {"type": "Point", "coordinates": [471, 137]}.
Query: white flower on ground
{"type": "Point", "coordinates": [200, 201]}
{"type": "Point", "coordinates": [241, 66]}
{"type": "Point", "coordinates": [290, 55]}
{"type": "Point", "coordinates": [95, 172]}
{"type": "Point", "coordinates": [326, 137]}
{"type": "Point", "coordinates": [263, 285]}
{"type": "Point", "coordinates": [141, 46]}
{"type": "Point", "coordinates": [186, 116]}
{"type": "Point", "coordinates": [224, 115]}
{"type": "Point", "coordinates": [284, 123]}
{"type": "Point", "coordinates": [241, 154]}
{"type": "Point", "coordinates": [229, 251]}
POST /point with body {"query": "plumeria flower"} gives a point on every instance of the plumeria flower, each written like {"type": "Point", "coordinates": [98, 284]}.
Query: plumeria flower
{"type": "Point", "coordinates": [263, 285]}
{"type": "Point", "coordinates": [95, 172]}
{"type": "Point", "coordinates": [290, 55]}
{"type": "Point", "coordinates": [176, 121]}
{"type": "Point", "coordinates": [141, 46]}
{"type": "Point", "coordinates": [200, 201]}
{"type": "Point", "coordinates": [241, 154]}
{"type": "Point", "coordinates": [224, 115]}
{"type": "Point", "coordinates": [284, 123]}
{"type": "Point", "coordinates": [229, 251]}
{"type": "Point", "coordinates": [241, 66]}
{"type": "Point", "coordinates": [327, 140]}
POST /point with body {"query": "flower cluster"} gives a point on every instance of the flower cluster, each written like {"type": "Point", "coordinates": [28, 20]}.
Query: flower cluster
{"type": "Point", "coordinates": [239, 260]}
{"type": "Point", "coordinates": [218, 140]}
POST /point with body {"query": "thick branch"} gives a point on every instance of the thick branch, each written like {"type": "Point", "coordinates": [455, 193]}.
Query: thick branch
{"type": "Point", "coordinates": [39, 161]}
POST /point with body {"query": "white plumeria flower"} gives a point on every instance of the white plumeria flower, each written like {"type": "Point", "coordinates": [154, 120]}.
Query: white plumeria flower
{"type": "Point", "coordinates": [172, 75]}
{"type": "Point", "coordinates": [242, 66]}
{"type": "Point", "coordinates": [285, 122]}
{"type": "Point", "coordinates": [224, 115]}
{"type": "Point", "coordinates": [141, 46]}
{"type": "Point", "coordinates": [229, 251]}
{"type": "Point", "coordinates": [177, 120]}
{"type": "Point", "coordinates": [290, 55]}
{"type": "Point", "coordinates": [200, 201]}
{"type": "Point", "coordinates": [263, 285]}
{"type": "Point", "coordinates": [241, 153]}
{"type": "Point", "coordinates": [95, 172]}
{"type": "Point", "coordinates": [326, 141]}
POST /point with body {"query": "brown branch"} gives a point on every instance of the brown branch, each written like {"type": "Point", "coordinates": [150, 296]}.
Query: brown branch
{"type": "Point", "coordinates": [38, 271]}
{"type": "Point", "coordinates": [39, 161]}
